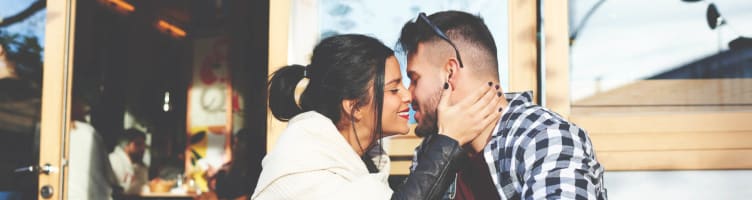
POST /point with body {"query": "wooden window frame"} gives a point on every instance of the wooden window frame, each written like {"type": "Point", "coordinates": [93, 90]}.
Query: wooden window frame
{"type": "Point", "coordinates": [56, 91]}
{"type": "Point", "coordinates": [279, 30]}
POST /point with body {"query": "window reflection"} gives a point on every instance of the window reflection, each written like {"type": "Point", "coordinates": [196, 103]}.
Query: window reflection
{"type": "Point", "coordinates": [661, 55]}
{"type": "Point", "coordinates": [21, 46]}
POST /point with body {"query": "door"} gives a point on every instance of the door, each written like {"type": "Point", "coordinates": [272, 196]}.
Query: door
{"type": "Point", "coordinates": [34, 97]}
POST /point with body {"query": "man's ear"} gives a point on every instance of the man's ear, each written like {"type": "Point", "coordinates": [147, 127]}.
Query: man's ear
{"type": "Point", "coordinates": [452, 69]}
{"type": "Point", "coordinates": [350, 109]}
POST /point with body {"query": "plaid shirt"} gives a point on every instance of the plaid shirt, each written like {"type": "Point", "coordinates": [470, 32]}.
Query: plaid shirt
{"type": "Point", "coordinates": [536, 154]}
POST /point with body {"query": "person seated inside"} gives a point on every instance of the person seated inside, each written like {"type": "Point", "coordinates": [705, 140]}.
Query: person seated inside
{"type": "Point", "coordinates": [127, 162]}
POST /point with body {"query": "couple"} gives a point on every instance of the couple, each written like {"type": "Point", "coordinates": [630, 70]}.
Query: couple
{"type": "Point", "coordinates": [479, 143]}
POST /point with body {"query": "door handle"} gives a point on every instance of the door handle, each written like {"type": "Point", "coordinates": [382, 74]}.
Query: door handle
{"type": "Point", "coordinates": [46, 169]}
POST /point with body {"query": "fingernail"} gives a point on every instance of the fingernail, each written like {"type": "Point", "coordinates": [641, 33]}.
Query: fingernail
{"type": "Point", "coordinates": [490, 84]}
{"type": "Point", "coordinates": [497, 87]}
{"type": "Point", "coordinates": [500, 109]}
{"type": "Point", "coordinates": [498, 93]}
{"type": "Point", "coordinates": [446, 86]}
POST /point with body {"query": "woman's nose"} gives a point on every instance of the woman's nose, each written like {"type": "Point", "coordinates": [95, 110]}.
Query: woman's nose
{"type": "Point", "coordinates": [407, 97]}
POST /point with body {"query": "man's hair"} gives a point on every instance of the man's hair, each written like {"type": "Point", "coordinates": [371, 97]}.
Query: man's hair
{"type": "Point", "coordinates": [460, 27]}
{"type": "Point", "coordinates": [132, 134]}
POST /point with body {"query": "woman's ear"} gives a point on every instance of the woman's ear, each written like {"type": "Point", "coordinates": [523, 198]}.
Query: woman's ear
{"type": "Point", "coordinates": [350, 109]}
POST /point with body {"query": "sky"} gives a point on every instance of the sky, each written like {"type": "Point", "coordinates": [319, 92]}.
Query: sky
{"type": "Point", "coordinates": [34, 25]}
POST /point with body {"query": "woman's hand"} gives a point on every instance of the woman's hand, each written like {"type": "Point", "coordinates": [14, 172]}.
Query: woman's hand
{"type": "Point", "coordinates": [472, 115]}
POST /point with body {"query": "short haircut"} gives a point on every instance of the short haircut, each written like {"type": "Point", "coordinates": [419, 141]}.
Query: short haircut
{"type": "Point", "coordinates": [132, 134]}
{"type": "Point", "coordinates": [458, 26]}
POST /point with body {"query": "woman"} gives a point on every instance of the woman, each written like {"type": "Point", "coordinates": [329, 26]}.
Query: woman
{"type": "Point", "coordinates": [331, 148]}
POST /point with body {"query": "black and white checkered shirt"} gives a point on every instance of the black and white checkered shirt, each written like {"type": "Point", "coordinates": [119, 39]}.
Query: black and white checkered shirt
{"type": "Point", "coordinates": [536, 154]}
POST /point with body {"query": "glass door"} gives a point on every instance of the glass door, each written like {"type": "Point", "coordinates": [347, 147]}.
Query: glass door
{"type": "Point", "coordinates": [34, 80]}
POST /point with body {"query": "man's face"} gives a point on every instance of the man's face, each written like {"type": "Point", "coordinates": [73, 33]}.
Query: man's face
{"type": "Point", "coordinates": [426, 82]}
{"type": "Point", "coordinates": [135, 149]}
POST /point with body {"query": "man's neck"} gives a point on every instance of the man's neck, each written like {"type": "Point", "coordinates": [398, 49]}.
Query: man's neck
{"type": "Point", "coordinates": [480, 142]}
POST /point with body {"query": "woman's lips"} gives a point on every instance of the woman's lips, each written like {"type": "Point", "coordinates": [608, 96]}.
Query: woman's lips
{"type": "Point", "coordinates": [404, 114]}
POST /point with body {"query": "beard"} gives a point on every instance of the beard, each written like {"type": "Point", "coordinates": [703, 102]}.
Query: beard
{"type": "Point", "coordinates": [428, 123]}
{"type": "Point", "coordinates": [136, 157]}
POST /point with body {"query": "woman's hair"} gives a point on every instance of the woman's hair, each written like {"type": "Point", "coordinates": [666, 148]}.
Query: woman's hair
{"type": "Point", "coordinates": [342, 67]}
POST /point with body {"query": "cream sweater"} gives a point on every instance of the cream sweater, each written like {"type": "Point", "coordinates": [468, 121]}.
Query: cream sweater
{"type": "Point", "coordinates": [312, 160]}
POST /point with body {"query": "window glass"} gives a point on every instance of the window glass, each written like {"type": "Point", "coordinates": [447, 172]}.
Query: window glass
{"type": "Point", "coordinates": [22, 24]}
{"type": "Point", "coordinates": [660, 56]}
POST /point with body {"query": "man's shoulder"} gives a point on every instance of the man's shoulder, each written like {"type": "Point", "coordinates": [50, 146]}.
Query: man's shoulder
{"type": "Point", "coordinates": [118, 156]}
{"type": "Point", "coordinates": [529, 124]}
{"type": "Point", "coordinates": [535, 116]}
{"type": "Point", "coordinates": [82, 128]}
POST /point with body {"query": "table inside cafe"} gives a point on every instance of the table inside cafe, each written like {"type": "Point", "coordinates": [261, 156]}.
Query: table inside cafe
{"type": "Point", "coordinates": [164, 189]}
{"type": "Point", "coordinates": [166, 195]}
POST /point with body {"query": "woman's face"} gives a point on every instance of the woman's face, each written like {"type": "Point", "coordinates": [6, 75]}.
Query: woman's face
{"type": "Point", "coordinates": [396, 100]}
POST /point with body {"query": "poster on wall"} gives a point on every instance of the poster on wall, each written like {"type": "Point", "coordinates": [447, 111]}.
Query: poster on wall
{"type": "Point", "coordinates": [209, 109]}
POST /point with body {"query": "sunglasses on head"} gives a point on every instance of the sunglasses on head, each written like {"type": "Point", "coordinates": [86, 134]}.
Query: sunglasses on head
{"type": "Point", "coordinates": [422, 17]}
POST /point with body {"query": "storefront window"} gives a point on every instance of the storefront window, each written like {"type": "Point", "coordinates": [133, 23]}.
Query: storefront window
{"type": "Point", "coordinates": [22, 26]}
{"type": "Point", "coordinates": [663, 85]}
{"type": "Point", "coordinates": [660, 56]}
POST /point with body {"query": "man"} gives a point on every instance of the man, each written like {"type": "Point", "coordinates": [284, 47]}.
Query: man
{"type": "Point", "coordinates": [532, 153]}
{"type": "Point", "coordinates": [127, 162]}
{"type": "Point", "coordinates": [90, 173]}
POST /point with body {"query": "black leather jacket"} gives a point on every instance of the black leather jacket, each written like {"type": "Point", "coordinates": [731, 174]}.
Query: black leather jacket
{"type": "Point", "coordinates": [439, 158]}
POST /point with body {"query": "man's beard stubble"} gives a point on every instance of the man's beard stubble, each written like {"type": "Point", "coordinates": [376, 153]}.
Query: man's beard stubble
{"type": "Point", "coordinates": [429, 120]}
{"type": "Point", "coordinates": [427, 126]}
{"type": "Point", "coordinates": [136, 157]}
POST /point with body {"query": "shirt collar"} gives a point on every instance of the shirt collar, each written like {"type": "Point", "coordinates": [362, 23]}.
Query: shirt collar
{"type": "Point", "coordinates": [514, 100]}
